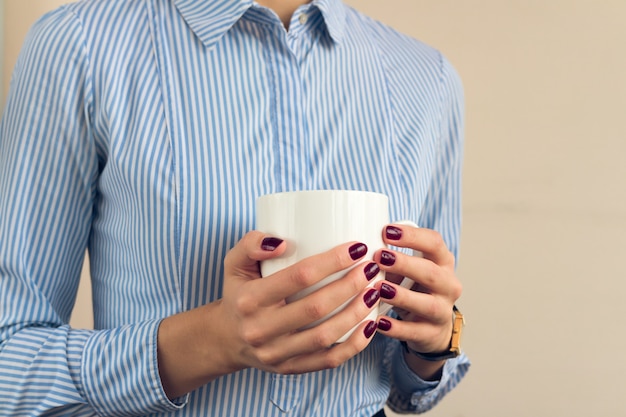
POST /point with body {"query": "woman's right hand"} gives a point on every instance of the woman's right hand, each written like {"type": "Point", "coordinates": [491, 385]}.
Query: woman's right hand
{"type": "Point", "coordinates": [253, 326]}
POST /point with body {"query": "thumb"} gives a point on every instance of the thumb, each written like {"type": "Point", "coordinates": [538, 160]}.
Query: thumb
{"type": "Point", "coordinates": [244, 257]}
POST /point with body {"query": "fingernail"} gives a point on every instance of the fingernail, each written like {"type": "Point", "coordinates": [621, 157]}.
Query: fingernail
{"type": "Point", "coordinates": [393, 233]}
{"type": "Point", "coordinates": [371, 297]}
{"type": "Point", "coordinates": [358, 250]}
{"type": "Point", "coordinates": [370, 329]}
{"type": "Point", "coordinates": [384, 324]}
{"type": "Point", "coordinates": [387, 291]}
{"type": "Point", "coordinates": [387, 258]}
{"type": "Point", "coordinates": [371, 270]}
{"type": "Point", "coordinates": [270, 243]}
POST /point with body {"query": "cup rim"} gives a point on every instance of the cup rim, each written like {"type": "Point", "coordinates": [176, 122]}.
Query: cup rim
{"type": "Point", "coordinates": [328, 191]}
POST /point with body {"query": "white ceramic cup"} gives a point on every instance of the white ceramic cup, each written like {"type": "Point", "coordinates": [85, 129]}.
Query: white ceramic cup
{"type": "Point", "coordinates": [312, 222]}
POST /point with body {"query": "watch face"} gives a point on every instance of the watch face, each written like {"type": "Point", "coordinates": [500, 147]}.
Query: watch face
{"type": "Point", "coordinates": [459, 322]}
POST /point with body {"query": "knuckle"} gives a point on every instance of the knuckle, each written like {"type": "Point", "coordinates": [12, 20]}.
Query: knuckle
{"type": "Point", "coordinates": [336, 357]}
{"type": "Point", "coordinates": [243, 245]}
{"type": "Point", "coordinates": [337, 257]}
{"type": "Point", "coordinates": [358, 314]}
{"type": "Point", "coordinates": [432, 274]}
{"type": "Point", "coordinates": [246, 304]}
{"type": "Point", "coordinates": [422, 335]}
{"type": "Point", "coordinates": [456, 290]}
{"type": "Point", "coordinates": [304, 275]}
{"type": "Point", "coordinates": [322, 340]}
{"type": "Point", "coordinates": [252, 335]}
{"type": "Point", "coordinates": [285, 368]}
{"type": "Point", "coordinates": [228, 260]}
{"type": "Point", "coordinates": [333, 360]}
{"type": "Point", "coordinates": [267, 358]}
{"type": "Point", "coordinates": [314, 311]}
{"type": "Point", "coordinates": [451, 259]}
{"type": "Point", "coordinates": [356, 281]}
{"type": "Point", "coordinates": [432, 308]}
{"type": "Point", "coordinates": [250, 239]}
{"type": "Point", "coordinates": [438, 242]}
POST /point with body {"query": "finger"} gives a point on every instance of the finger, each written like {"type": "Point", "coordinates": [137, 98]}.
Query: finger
{"type": "Point", "coordinates": [252, 248]}
{"type": "Point", "coordinates": [319, 335]}
{"type": "Point", "coordinates": [310, 272]}
{"type": "Point", "coordinates": [331, 357]}
{"type": "Point", "coordinates": [427, 241]}
{"type": "Point", "coordinates": [338, 300]}
{"type": "Point", "coordinates": [346, 301]}
{"type": "Point", "coordinates": [428, 276]}
{"type": "Point", "coordinates": [415, 306]}
{"type": "Point", "coordinates": [403, 330]}
{"type": "Point", "coordinates": [424, 336]}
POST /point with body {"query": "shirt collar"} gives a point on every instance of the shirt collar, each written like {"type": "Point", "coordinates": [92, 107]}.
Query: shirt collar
{"type": "Point", "coordinates": [210, 20]}
{"type": "Point", "coordinates": [334, 13]}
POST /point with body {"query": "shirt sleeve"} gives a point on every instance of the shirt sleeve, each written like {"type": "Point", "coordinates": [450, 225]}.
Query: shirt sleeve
{"type": "Point", "coordinates": [411, 394]}
{"type": "Point", "coordinates": [49, 167]}
{"type": "Point", "coordinates": [442, 212]}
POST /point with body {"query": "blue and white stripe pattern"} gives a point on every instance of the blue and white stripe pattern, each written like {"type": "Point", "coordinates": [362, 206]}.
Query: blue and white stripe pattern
{"type": "Point", "coordinates": [144, 130]}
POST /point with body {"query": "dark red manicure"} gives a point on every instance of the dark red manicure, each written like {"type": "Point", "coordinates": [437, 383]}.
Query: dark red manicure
{"type": "Point", "coordinates": [358, 250]}
{"type": "Point", "coordinates": [371, 270]}
{"type": "Point", "coordinates": [387, 291]}
{"type": "Point", "coordinates": [393, 233]}
{"type": "Point", "coordinates": [371, 297]}
{"type": "Point", "coordinates": [270, 243]}
{"type": "Point", "coordinates": [384, 324]}
{"type": "Point", "coordinates": [387, 258]}
{"type": "Point", "coordinates": [370, 329]}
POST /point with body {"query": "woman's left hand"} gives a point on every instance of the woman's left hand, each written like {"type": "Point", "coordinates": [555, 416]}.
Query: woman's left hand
{"type": "Point", "coordinates": [425, 310]}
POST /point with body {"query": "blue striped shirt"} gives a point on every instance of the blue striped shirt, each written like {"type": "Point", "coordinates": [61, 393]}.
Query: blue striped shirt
{"type": "Point", "coordinates": [143, 131]}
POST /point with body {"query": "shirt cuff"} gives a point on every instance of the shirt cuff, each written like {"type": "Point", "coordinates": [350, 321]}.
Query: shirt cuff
{"type": "Point", "coordinates": [408, 381]}
{"type": "Point", "coordinates": [423, 395]}
{"type": "Point", "coordinates": [120, 372]}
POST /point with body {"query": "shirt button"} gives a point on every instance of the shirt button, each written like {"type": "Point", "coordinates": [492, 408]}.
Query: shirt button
{"type": "Point", "coordinates": [303, 18]}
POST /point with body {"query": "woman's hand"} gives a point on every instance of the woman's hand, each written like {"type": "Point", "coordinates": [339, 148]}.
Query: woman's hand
{"type": "Point", "coordinates": [425, 310]}
{"type": "Point", "coordinates": [253, 326]}
{"type": "Point", "coordinates": [267, 334]}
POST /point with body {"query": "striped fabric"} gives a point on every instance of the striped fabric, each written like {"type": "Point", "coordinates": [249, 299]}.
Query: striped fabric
{"type": "Point", "coordinates": [144, 130]}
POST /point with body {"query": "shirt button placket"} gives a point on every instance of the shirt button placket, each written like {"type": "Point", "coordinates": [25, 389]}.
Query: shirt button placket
{"type": "Point", "coordinates": [290, 127]}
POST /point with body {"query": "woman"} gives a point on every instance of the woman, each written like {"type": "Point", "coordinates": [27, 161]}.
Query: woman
{"type": "Point", "coordinates": [143, 131]}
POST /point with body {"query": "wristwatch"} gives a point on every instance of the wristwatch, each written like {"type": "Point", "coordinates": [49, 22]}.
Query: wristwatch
{"type": "Point", "coordinates": [458, 321]}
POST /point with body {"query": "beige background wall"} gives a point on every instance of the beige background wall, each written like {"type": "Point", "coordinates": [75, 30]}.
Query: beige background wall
{"type": "Point", "coordinates": [545, 201]}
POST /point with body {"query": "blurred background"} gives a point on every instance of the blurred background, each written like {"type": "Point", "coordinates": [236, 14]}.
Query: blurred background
{"type": "Point", "coordinates": [544, 195]}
